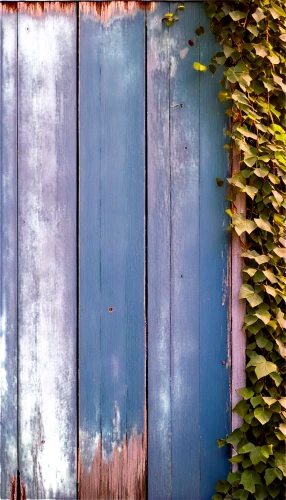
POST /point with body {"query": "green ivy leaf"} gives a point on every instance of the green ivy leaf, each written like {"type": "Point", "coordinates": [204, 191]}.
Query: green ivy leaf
{"type": "Point", "coordinates": [258, 15]}
{"type": "Point", "coordinates": [242, 225]}
{"type": "Point", "coordinates": [245, 392]}
{"type": "Point", "coordinates": [241, 408]}
{"type": "Point", "coordinates": [277, 379]}
{"type": "Point", "coordinates": [233, 477]}
{"type": "Point", "coordinates": [247, 292]}
{"type": "Point", "coordinates": [234, 437]}
{"type": "Point", "coordinates": [281, 347]}
{"type": "Point", "coordinates": [262, 414]}
{"type": "Point", "coordinates": [236, 459]}
{"type": "Point", "coordinates": [250, 190]}
{"type": "Point", "coordinates": [278, 9]}
{"type": "Point", "coordinates": [264, 369]}
{"type": "Point", "coordinates": [264, 225]}
{"type": "Point", "coordinates": [256, 456]}
{"type": "Point", "coordinates": [281, 462]}
{"type": "Point", "coordinates": [240, 495]}
{"type": "Point", "coordinates": [222, 486]}
{"type": "Point", "coordinates": [261, 492]}
{"type": "Point", "coordinates": [246, 448]}
{"type": "Point", "coordinates": [249, 478]}
{"type": "Point", "coordinates": [264, 315]}
{"type": "Point", "coordinates": [236, 15]}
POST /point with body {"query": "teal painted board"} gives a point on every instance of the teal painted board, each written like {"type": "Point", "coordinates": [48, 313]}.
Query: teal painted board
{"type": "Point", "coordinates": [47, 251]}
{"type": "Point", "coordinates": [184, 242]}
{"type": "Point", "coordinates": [112, 239]}
{"type": "Point", "coordinates": [214, 244]}
{"type": "Point", "coordinates": [196, 278]}
{"type": "Point", "coordinates": [159, 256]}
{"type": "Point", "coordinates": [8, 252]}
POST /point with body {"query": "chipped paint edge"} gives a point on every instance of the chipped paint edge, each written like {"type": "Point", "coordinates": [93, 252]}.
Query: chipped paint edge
{"type": "Point", "coordinates": [122, 476]}
{"type": "Point", "coordinates": [8, 7]}
{"type": "Point", "coordinates": [107, 12]}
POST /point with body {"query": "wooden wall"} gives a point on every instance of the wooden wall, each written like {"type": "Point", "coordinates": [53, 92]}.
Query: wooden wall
{"type": "Point", "coordinates": [114, 280]}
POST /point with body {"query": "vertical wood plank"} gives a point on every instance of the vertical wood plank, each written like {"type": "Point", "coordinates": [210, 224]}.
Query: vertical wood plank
{"type": "Point", "coordinates": [112, 166]}
{"type": "Point", "coordinates": [159, 395]}
{"type": "Point", "coordinates": [47, 249]}
{"type": "Point", "coordinates": [89, 240]}
{"type": "Point", "coordinates": [215, 360]}
{"type": "Point", "coordinates": [185, 276]}
{"type": "Point", "coordinates": [238, 308]}
{"type": "Point", "coordinates": [8, 252]}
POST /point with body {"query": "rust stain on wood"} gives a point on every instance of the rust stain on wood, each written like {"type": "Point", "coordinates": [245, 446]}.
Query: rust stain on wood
{"type": "Point", "coordinates": [8, 7]}
{"type": "Point", "coordinates": [38, 9]}
{"type": "Point", "coordinates": [13, 488]}
{"type": "Point", "coordinates": [23, 492]}
{"type": "Point", "coordinates": [122, 477]}
{"type": "Point", "coordinates": [106, 11]}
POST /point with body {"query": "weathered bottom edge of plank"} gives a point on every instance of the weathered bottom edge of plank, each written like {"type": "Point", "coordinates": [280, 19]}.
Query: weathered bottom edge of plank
{"type": "Point", "coordinates": [122, 477]}
{"type": "Point", "coordinates": [13, 488]}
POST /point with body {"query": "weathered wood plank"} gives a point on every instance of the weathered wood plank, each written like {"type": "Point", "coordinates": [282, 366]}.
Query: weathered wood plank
{"type": "Point", "coordinates": [89, 242]}
{"type": "Point", "coordinates": [215, 360]}
{"type": "Point", "coordinates": [8, 252]}
{"type": "Point", "coordinates": [112, 165]}
{"type": "Point", "coordinates": [159, 395]}
{"type": "Point", "coordinates": [47, 249]}
{"type": "Point", "coordinates": [238, 307]}
{"type": "Point", "coordinates": [185, 276]}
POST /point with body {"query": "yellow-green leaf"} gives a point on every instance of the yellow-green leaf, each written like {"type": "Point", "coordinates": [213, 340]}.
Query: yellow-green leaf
{"type": "Point", "coordinates": [278, 9]}
{"type": "Point", "coordinates": [264, 225]}
{"type": "Point", "coordinates": [263, 369]}
{"type": "Point", "coordinates": [199, 67]}
{"type": "Point", "coordinates": [247, 292]}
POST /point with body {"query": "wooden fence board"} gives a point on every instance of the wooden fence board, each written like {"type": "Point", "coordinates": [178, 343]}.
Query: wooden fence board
{"type": "Point", "coordinates": [215, 363]}
{"type": "Point", "coordinates": [89, 242]}
{"type": "Point", "coordinates": [112, 162]}
{"type": "Point", "coordinates": [185, 276]}
{"type": "Point", "coordinates": [8, 252]}
{"type": "Point", "coordinates": [193, 231]}
{"type": "Point", "coordinates": [47, 250]}
{"type": "Point", "coordinates": [159, 395]}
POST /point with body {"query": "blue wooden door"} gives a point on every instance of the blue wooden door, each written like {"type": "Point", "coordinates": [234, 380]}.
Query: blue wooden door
{"type": "Point", "coordinates": [114, 339]}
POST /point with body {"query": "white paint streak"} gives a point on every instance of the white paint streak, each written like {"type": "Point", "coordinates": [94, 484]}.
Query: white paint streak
{"type": "Point", "coordinates": [47, 254]}
{"type": "Point", "coordinates": [184, 52]}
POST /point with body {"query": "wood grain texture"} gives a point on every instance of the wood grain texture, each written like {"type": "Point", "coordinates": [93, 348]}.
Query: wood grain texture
{"type": "Point", "coordinates": [8, 252]}
{"type": "Point", "coordinates": [193, 270]}
{"type": "Point", "coordinates": [112, 205]}
{"type": "Point", "coordinates": [215, 356]}
{"type": "Point", "coordinates": [47, 252]}
{"type": "Point", "coordinates": [159, 228]}
{"type": "Point", "coordinates": [185, 254]}
{"type": "Point", "coordinates": [238, 307]}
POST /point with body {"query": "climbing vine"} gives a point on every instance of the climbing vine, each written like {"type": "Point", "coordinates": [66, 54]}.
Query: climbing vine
{"type": "Point", "coordinates": [252, 37]}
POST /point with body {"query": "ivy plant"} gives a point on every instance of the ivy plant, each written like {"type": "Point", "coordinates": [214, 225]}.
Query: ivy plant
{"type": "Point", "coordinates": [252, 37]}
